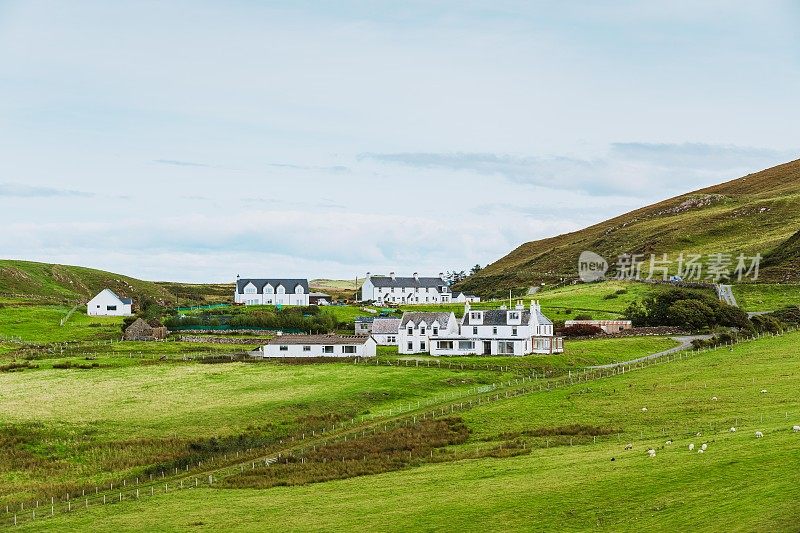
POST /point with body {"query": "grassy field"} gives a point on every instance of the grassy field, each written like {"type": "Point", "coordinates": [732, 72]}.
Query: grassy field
{"type": "Point", "coordinates": [766, 296]}
{"type": "Point", "coordinates": [741, 483]}
{"type": "Point", "coordinates": [40, 324]}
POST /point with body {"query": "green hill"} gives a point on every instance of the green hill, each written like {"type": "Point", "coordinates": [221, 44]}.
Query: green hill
{"type": "Point", "coordinates": [64, 283]}
{"type": "Point", "coordinates": [758, 213]}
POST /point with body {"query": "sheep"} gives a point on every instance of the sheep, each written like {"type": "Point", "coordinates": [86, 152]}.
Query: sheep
{"type": "Point", "coordinates": [668, 442]}
{"type": "Point", "coordinates": [713, 398]}
{"type": "Point", "coordinates": [701, 450]}
{"type": "Point", "coordinates": [759, 434]}
{"type": "Point", "coordinates": [733, 430]}
{"type": "Point", "coordinates": [651, 452]}
{"type": "Point", "coordinates": [699, 434]}
{"type": "Point", "coordinates": [691, 446]}
{"type": "Point", "coordinates": [629, 446]}
{"type": "Point", "coordinates": [763, 391]}
{"type": "Point", "coordinates": [644, 409]}
{"type": "Point", "coordinates": [796, 429]}
{"type": "Point", "coordinates": [703, 447]}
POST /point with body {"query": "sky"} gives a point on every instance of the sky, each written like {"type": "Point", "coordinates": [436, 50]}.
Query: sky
{"type": "Point", "coordinates": [194, 141]}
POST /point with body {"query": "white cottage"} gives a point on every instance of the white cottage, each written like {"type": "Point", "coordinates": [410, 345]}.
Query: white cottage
{"type": "Point", "coordinates": [107, 303]}
{"type": "Point", "coordinates": [271, 291]}
{"type": "Point", "coordinates": [385, 330]}
{"type": "Point", "coordinates": [319, 346]}
{"type": "Point", "coordinates": [418, 329]}
{"type": "Point", "coordinates": [393, 289]}
{"type": "Point", "coordinates": [503, 331]}
{"type": "Point", "coordinates": [462, 298]}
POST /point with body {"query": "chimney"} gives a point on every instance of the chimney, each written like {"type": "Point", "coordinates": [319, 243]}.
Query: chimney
{"type": "Point", "coordinates": [368, 274]}
{"type": "Point", "coordinates": [416, 276]}
{"type": "Point", "coordinates": [391, 275]}
{"type": "Point", "coordinates": [519, 306]}
{"type": "Point", "coordinates": [441, 275]}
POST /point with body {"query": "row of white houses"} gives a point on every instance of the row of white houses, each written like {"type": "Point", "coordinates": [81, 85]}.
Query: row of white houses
{"type": "Point", "coordinates": [416, 289]}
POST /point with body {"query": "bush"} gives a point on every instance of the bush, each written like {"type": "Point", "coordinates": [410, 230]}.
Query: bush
{"type": "Point", "coordinates": [583, 316]}
{"type": "Point", "coordinates": [686, 308]}
{"type": "Point", "coordinates": [610, 296]}
{"type": "Point", "coordinates": [581, 330]}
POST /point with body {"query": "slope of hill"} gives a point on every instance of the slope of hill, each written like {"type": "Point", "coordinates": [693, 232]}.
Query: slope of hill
{"type": "Point", "coordinates": [758, 213]}
{"type": "Point", "coordinates": [64, 283]}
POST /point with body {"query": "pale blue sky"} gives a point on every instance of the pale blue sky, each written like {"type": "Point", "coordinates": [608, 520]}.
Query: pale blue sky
{"type": "Point", "coordinates": [197, 140]}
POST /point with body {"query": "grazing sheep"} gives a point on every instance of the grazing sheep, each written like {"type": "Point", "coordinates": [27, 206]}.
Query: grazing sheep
{"type": "Point", "coordinates": [644, 409]}
{"type": "Point", "coordinates": [699, 434]}
{"type": "Point", "coordinates": [701, 450]}
{"type": "Point", "coordinates": [713, 398]}
{"type": "Point", "coordinates": [668, 442]}
{"type": "Point", "coordinates": [629, 446]}
{"type": "Point", "coordinates": [763, 391]}
{"type": "Point", "coordinates": [733, 430]}
{"type": "Point", "coordinates": [759, 434]}
{"type": "Point", "coordinates": [691, 446]}
{"type": "Point", "coordinates": [703, 447]}
{"type": "Point", "coordinates": [651, 452]}
{"type": "Point", "coordinates": [796, 429]}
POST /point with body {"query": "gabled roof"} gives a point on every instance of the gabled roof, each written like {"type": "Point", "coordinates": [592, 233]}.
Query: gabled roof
{"type": "Point", "coordinates": [496, 317]}
{"type": "Point", "coordinates": [126, 301]}
{"type": "Point", "coordinates": [428, 317]}
{"type": "Point", "coordinates": [410, 282]}
{"type": "Point", "coordinates": [385, 325]}
{"type": "Point", "coordinates": [289, 284]}
{"type": "Point", "coordinates": [543, 320]}
{"type": "Point", "coordinates": [318, 339]}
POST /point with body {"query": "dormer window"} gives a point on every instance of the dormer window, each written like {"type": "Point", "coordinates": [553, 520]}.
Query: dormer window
{"type": "Point", "coordinates": [410, 330]}
{"type": "Point", "coordinates": [435, 331]}
{"type": "Point", "coordinates": [268, 289]}
{"type": "Point", "coordinates": [298, 289]}
{"type": "Point", "coordinates": [422, 330]}
{"type": "Point", "coordinates": [513, 315]}
{"type": "Point", "coordinates": [249, 290]}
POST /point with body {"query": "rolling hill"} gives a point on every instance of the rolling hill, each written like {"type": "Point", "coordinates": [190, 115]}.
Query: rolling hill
{"type": "Point", "coordinates": [758, 213]}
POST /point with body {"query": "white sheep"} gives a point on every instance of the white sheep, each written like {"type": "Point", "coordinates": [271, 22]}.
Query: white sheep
{"type": "Point", "coordinates": [629, 446]}
{"type": "Point", "coordinates": [699, 434]}
{"type": "Point", "coordinates": [668, 442]}
{"type": "Point", "coordinates": [691, 446]}
{"type": "Point", "coordinates": [651, 452]}
{"type": "Point", "coordinates": [759, 434]}
{"type": "Point", "coordinates": [644, 409]}
{"type": "Point", "coordinates": [796, 429]}
{"type": "Point", "coordinates": [703, 447]}
{"type": "Point", "coordinates": [701, 450]}
{"type": "Point", "coordinates": [713, 398]}
{"type": "Point", "coordinates": [733, 430]}
{"type": "Point", "coordinates": [763, 391]}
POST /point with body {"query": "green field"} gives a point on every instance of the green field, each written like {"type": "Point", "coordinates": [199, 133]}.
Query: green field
{"type": "Point", "coordinates": [561, 475]}
{"type": "Point", "coordinates": [40, 324]}
{"type": "Point", "coordinates": [766, 296]}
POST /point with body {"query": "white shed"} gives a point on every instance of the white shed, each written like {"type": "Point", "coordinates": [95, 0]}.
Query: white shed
{"type": "Point", "coordinates": [320, 346]}
{"type": "Point", "coordinates": [106, 303]}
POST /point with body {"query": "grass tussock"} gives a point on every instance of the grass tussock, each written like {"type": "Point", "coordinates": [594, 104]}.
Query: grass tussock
{"type": "Point", "coordinates": [17, 366]}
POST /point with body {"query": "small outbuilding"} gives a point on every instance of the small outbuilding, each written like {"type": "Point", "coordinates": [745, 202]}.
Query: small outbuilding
{"type": "Point", "coordinates": [608, 326]}
{"type": "Point", "coordinates": [320, 346]}
{"type": "Point", "coordinates": [107, 303]}
{"type": "Point", "coordinates": [141, 330]}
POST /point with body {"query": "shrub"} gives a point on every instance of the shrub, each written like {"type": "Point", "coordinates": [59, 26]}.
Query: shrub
{"type": "Point", "coordinates": [583, 316]}
{"type": "Point", "coordinates": [610, 296]}
{"type": "Point", "coordinates": [581, 330]}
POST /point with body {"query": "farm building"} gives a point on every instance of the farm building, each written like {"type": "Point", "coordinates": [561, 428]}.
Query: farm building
{"type": "Point", "coordinates": [417, 329]}
{"type": "Point", "coordinates": [319, 298]}
{"type": "Point", "coordinates": [385, 330]}
{"type": "Point", "coordinates": [141, 330]}
{"type": "Point", "coordinates": [609, 326]}
{"type": "Point", "coordinates": [462, 298]}
{"type": "Point", "coordinates": [363, 325]}
{"type": "Point", "coordinates": [106, 303]}
{"type": "Point", "coordinates": [271, 291]}
{"type": "Point", "coordinates": [320, 346]}
{"type": "Point", "coordinates": [393, 289]}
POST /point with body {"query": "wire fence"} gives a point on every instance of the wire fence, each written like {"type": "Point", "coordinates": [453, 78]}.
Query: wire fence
{"type": "Point", "coordinates": [207, 473]}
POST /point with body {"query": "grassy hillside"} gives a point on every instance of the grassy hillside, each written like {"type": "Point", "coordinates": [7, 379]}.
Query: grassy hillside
{"type": "Point", "coordinates": [558, 462]}
{"type": "Point", "coordinates": [759, 213]}
{"type": "Point", "coordinates": [29, 280]}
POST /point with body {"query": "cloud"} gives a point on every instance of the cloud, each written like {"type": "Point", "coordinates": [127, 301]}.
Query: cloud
{"type": "Point", "coordinates": [699, 155]}
{"type": "Point", "coordinates": [18, 190]}
{"type": "Point", "coordinates": [178, 163]}
{"type": "Point", "coordinates": [336, 169]}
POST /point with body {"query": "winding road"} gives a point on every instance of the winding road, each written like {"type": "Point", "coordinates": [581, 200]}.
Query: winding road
{"type": "Point", "coordinates": [685, 342]}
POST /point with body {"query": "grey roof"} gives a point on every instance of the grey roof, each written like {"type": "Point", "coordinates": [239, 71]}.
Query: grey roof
{"type": "Point", "coordinates": [319, 339]}
{"type": "Point", "coordinates": [127, 301]}
{"type": "Point", "coordinates": [412, 282]}
{"type": "Point", "coordinates": [385, 325]}
{"type": "Point", "coordinates": [365, 319]}
{"type": "Point", "coordinates": [288, 284]}
{"type": "Point", "coordinates": [319, 294]}
{"type": "Point", "coordinates": [543, 319]}
{"type": "Point", "coordinates": [428, 317]}
{"type": "Point", "coordinates": [496, 317]}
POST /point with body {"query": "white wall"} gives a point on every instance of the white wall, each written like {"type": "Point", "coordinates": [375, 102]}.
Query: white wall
{"type": "Point", "coordinates": [274, 298]}
{"type": "Point", "coordinates": [98, 306]}
{"type": "Point", "coordinates": [316, 350]}
{"type": "Point", "coordinates": [421, 342]}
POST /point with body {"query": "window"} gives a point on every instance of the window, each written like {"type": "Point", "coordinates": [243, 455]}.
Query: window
{"type": "Point", "coordinates": [410, 330]}
{"type": "Point", "coordinates": [435, 331]}
{"type": "Point", "coordinates": [327, 349]}
{"type": "Point", "coordinates": [111, 308]}
{"type": "Point", "coordinates": [284, 348]}
{"type": "Point", "coordinates": [505, 347]}
{"type": "Point", "coordinates": [281, 290]}
{"type": "Point", "coordinates": [306, 348]}
{"type": "Point", "coordinates": [268, 289]}
{"type": "Point", "coordinates": [494, 331]}
{"type": "Point", "coordinates": [391, 339]}
{"type": "Point", "coordinates": [348, 349]}
{"type": "Point", "coordinates": [513, 332]}
{"type": "Point", "coordinates": [513, 315]}
{"type": "Point", "coordinates": [98, 306]}
{"type": "Point", "coordinates": [422, 346]}
{"type": "Point", "coordinates": [445, 345]}
{"type": "Point", "coordinates": [410, 346]}
{"type": "Point", "coordinates": [466, 345]}
{"type": "Point", "coordinates": [474, 330]}
{"type": "Point", "coordinates": [422, 330]}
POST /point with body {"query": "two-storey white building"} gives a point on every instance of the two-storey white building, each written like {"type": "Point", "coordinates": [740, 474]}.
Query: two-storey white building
{"type": "Point", "coordinates": [503, 331]}
{"type": "Point", "coordinates": [252, 291]}
{"type": "Point", "coordinates": [393, 289]}
{"type": "Point", "coordinates": [417, 330]}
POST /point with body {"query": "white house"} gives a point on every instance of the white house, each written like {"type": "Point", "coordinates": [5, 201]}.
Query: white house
{"type": "Point", "coordinates": [385, 330]}
{"type": "Point", "coordinates": [271, 291]}
{"type": "Point", "coordinates": [106, 303]}
{"type": "Point", "coordinates": [462, 297]}
{"type": "Point", "coordinates": [503, 331]}
{"type": "Point", "coordinates": [319, 346]}
{"type": "Point", "coordinates": [392, 289]}
{"type": "Point", "coordinates": [417, 329]}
